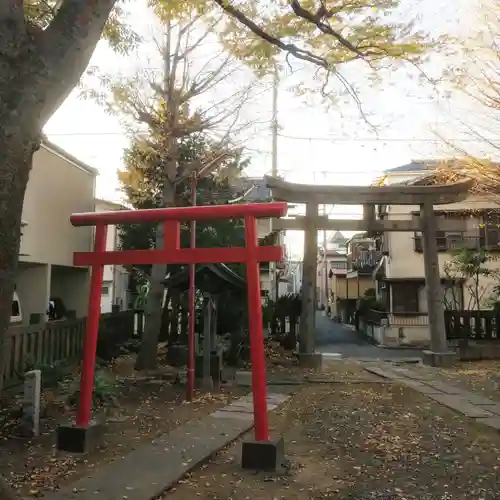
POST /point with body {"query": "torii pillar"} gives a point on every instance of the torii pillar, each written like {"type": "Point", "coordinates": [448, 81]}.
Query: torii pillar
{"type": "Point", "coordinates": [370, 196]}
{"type": "Point", "coordinates": [439, 353]}
{"type": "Point", "coordinates": [307, 326]}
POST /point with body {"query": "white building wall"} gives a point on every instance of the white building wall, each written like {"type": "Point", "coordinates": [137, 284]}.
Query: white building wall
{"type": "Point", "coordinates": [403, 260]}
{"type": "Point", "coordinates": [115, 278]}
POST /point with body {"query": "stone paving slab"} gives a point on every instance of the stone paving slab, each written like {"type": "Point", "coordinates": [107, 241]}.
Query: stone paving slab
{"type": "Point", "coordinates": [420, 387]}
{"type": "Point", "coordinates": [461, 405]}
{"type": "Point", "coordinates": [466, 402]}
{"type": "Point", "coordinates": [478, 399]}
{"type": "Point", "coordinates": [495, 408]}
{"type": "Point", "coordinates": [383, 372]}
{"type": "Point", "coordinates": [493, 422]}
{"type": "Point", "coordinates": [444, 387]}
{"type": "Point", "coordinates": [152, 468]}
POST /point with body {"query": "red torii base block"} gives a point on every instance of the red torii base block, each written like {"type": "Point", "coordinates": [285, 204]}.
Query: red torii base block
{"type": "Point", "coordinates": [84, 434]}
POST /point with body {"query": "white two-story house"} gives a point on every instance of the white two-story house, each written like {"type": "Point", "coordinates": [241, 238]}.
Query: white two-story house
{"type": "Point", "coordinates": [59, 185]}
{"type": "Point", "coordinates": [400, 276]}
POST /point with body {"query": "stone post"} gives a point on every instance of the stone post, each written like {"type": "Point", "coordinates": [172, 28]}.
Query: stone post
{"type": "Point", "coordinates": [307, 357]}
{"type": "Point", "coordinates": [31, 403]}
{"type": "Point", "coordinates": [215, 311]}
{"type": "Point", "coordinates": [439, 355]}
{"type": "Point", "coordinates": [207, 382]}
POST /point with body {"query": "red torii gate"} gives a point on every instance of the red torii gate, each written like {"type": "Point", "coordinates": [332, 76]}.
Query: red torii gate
{"type": "Point", "coordinates": [78, 437]}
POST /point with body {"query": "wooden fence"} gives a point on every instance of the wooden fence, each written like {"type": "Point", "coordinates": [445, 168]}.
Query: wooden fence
{"type": "Point", "coordinates": [472, 325]}
{"type": "Point", "coordinates": [60, 342]}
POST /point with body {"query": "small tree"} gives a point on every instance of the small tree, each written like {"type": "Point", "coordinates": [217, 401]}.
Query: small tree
{"type": "Point", "coordinates": [480, 279]}
{"type": "Point", "coordinates": [162, 115]}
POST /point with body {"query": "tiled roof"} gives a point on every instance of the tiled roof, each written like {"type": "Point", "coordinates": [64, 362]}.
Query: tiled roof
{"type": "Point", "coordinates": [259, 192]}
{"type": "Point", "coordinates": [414, 166]}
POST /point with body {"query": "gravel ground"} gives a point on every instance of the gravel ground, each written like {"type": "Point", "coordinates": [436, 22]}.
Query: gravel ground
{"type": "Point", "coordinates": [361, 441]}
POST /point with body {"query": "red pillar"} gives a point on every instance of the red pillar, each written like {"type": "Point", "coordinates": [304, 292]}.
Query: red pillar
{"type": "Point", "coordinates": [257, 352]}
{"type": "Point", "coordinates": [91, 332]}
{"type": "Point", "coordinates": [191, 301]}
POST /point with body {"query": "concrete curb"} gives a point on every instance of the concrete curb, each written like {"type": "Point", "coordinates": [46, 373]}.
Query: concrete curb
{"type": "Point", "coordinates": [153, 468]}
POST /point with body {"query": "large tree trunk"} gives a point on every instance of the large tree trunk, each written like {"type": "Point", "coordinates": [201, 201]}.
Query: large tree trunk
{"type": "Point", "coordinates": [38, 69]}
{"type": "Point", "coordinates": [148, 353]}
{"type": "Point", "coordinates": [15, 163]}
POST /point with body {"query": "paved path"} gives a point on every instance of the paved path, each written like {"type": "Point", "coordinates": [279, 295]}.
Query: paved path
{"type": "Point", "coordinates": [427, 381]}
{"type": "Point", "coordinates": [336, 339]}
{"type": "Point", "coordinates": [152, 468]}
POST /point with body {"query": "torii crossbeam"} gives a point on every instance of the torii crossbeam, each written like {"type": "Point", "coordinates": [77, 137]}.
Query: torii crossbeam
{"type": "Point", "coordinates": [74, 437]}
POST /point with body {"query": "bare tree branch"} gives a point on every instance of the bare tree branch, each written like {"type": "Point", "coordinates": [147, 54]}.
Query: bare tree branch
{"type": "Point", "coordinates": [319, 20]}
{"type": "Point", "coordinates": [304, 55]}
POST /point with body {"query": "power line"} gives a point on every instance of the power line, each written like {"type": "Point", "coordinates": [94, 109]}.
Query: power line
{"type": "Point", "coordinates": [298, 138]}
{"type": "Point", "coordinates": [382, 139]}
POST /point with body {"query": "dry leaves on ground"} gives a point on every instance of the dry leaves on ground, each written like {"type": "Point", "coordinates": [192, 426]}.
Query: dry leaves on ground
{"type": "Point", "coordinates": [146, 407]}
{"type": "Point", "coordinates": [361, 442]}
{"type": "Point", "coordinates": [478, 376]}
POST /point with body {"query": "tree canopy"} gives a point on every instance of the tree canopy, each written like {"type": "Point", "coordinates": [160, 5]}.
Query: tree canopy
{"type": "Point", "coordinates": [323, 32]}
{"type": "Point", "coordinates": [326, 33]}
{"type": "Point", "coordinates": [142, 183]}
{"type": "Point", "coordinates": [477, 79]}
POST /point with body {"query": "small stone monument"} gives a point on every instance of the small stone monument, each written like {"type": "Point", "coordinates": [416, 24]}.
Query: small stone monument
{"type": "Point", "coordinates": [31, 402]}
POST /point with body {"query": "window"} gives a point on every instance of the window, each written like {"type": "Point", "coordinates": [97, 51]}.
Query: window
{"type": "Point", "coordinates": [105, 290]}
{"type": "Point", "coordinates": [405, 297]}
{"type": "Point", "coordinates": [490, 232]}
{"type": "Point", "coordinates": [338, 265]}
{"type": "Point", "coordinates": [447, 241]}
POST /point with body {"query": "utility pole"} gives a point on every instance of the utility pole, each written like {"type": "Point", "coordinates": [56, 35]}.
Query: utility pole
{"type": "Point", "coordinates": [274, 272]}
{"type": "Point", "coordinates": [274, 125]}
{"type": "Point", "coordinates": [325, 263]}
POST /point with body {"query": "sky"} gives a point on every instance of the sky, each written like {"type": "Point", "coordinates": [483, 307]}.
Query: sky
{"type": "Point", "coordinates": [317, 144]}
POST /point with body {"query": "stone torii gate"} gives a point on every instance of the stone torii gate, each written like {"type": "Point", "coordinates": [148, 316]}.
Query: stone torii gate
{"type": "Point", "coordinates": [370, 196]}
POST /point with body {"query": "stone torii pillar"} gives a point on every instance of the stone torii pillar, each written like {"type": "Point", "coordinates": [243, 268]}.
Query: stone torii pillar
{"type": "Point", "coordinates": [439, 353]}
{"type": "Point", "coordinates": [307, 356]}
{"type": "Point", "coordinates": [370, 196]}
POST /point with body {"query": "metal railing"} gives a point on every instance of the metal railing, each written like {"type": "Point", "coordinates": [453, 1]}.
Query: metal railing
{"type": "Point", "coordinates": [363, 259]}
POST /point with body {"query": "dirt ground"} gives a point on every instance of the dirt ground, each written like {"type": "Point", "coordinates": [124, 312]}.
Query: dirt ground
{"type": "Point", "coordinates": [361, 440]}
{"type": "Point", "coordinates": [482, 377]}
{"type": "Point", "coordinates": [146, 407]}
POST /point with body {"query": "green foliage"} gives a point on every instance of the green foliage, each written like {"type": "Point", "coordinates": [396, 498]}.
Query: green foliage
{"type": "Point", "coordinates": [118, 32]}
{"type": "Point", "coordinates": [481, 279]}
{"type": "Point", "coordinates": [51, 373]}
{"type": "Point", "coordinates": [143, 179]}
{"type": "Point", "coordinates": [369, 302]}
{"type": "Point", "coordinates": [289, 305]}
{"type": "Point", "coordinates": [327, 33]}
{"type": "Point", "coordinates": [142, 293]}
{"type": "Point", "coordinates": [104, 390]}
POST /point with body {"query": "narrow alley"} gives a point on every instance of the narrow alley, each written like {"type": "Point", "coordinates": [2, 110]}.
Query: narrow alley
{"type": "Point", "coordinates": [343, 341]}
